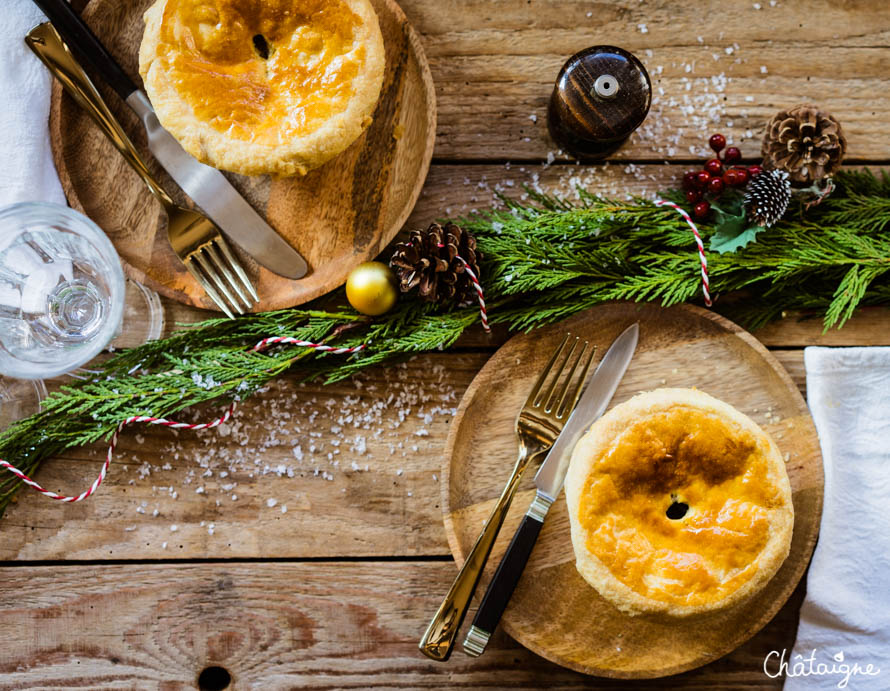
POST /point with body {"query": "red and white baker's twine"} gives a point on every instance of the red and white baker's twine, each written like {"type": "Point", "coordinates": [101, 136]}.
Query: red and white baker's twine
{"type": "Point", "coordinates": [483, 313]}
{"type": "Point", "coordinates": [265, 343]}
{"type": "Point", "coordinates": [705, 284]}
{"type": "Point", "coordinates": [98, 481]}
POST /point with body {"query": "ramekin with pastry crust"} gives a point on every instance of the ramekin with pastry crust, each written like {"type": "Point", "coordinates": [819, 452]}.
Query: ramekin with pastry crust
{"type": "Point", "coordinates": [263, 86]}
{"type": "Point", "coordinates": [679, 505]}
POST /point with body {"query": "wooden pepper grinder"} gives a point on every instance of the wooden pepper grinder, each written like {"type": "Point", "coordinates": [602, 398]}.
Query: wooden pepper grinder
{"type": "Point", "coordinates": [602, 94]}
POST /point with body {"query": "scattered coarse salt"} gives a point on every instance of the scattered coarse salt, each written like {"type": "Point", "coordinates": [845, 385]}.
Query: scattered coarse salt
{"type": "Point", "coordinates": [284, 506]}
{"type": "Point", "coordinates": [174, 528]}
{"type": "Point", "coordinates": [271, 502]}
{"type": "Point", "coordinates": [375, 418]}
{"type": "Point", "coordinates": [163, 545]}
{"type": "Point", "coordinates": [643, 28]}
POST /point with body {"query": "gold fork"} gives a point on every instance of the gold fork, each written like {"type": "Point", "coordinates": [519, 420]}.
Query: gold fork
{"type": "Point", "coordinates": [194, 237]}
{"type": "Point", "coordinates": [538, 425]}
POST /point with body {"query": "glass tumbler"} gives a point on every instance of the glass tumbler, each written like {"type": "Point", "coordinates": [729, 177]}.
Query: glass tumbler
{"type": "Point", "coordinates": [62, 290]}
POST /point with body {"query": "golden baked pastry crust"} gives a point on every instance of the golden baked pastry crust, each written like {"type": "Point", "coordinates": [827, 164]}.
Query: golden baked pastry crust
{"type": "Point", "coordinates": [204, 72]}
{"type": "Point", "coordinates": [678, 446]}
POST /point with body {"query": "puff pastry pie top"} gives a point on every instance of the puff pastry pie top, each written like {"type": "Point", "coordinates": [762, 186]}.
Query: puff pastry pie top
{"type": "Point", "coordinates": [263, 86]}
{"type": "Point", "coordinates": [679, 504]}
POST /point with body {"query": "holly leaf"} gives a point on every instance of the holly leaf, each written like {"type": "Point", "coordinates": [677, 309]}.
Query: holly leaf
{"type": "Point", "coordinates": [731, 237]}
{"type": "Point", "coordinates": [732, 231]}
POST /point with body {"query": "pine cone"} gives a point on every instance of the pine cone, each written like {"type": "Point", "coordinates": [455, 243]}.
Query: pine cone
{"type": "Point", "coordinates": [429, 262]}
{"type": "Point", "coordinates": [767, 197]}
{"type": "Point", "coordinates": [805, 142]}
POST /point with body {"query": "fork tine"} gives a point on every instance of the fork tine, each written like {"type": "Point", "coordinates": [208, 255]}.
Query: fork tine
{"type": "Point", "coordinates": [238, 269]}
{"type": "Point", "coordinates": [230, 280]}
{"type": "Point", "coordinates": [544, 372]}
{"type": "Point", "coordinates": [208, 288]}
{"type": "Point", "coordinates": [211, 273]}
{"type": "Point", "coordinates": [551, 391]}
{"type": "Point", "coordinates": [571, 395]}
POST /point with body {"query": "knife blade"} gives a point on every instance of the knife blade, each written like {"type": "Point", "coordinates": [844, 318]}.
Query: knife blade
{"type": "Point", "coordinates": [206, 186]}
{"type": "Point", "coordinates": [549, 480]}
{"type": "Point", "coordinates": [593, 404]}
{"type": "Point", "coordinates": [210, 190]}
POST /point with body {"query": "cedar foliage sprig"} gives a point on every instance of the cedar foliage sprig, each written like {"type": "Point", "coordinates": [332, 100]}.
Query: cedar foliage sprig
{"type": "Point", "coordinates": [544, 260]}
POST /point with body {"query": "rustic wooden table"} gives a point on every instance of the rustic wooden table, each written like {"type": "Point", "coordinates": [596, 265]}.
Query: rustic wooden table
{"type": "Point", "coordinates": [302, 544]}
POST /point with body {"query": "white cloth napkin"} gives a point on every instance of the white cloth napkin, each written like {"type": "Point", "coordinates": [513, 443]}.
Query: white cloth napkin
{"type": "Point", "coordinates": [846, 615]}
{"type": "Point", "coordinates": [27, 172]}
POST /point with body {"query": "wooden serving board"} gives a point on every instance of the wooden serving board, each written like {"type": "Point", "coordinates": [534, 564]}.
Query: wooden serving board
{"type": "Point", "coordinates": [554, 612]}
{"type": "Point", "coordinates": [337, 216]}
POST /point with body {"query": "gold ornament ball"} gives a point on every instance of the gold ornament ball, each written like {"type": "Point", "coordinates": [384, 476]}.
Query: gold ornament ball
{"type": "Point", "coordinates": [371, 288]}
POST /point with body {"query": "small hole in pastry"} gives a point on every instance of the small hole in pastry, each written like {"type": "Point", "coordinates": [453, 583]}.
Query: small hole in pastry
{"type": "Point", "coordinates": [262, 46]}
{"type": "Point", "coordinates": [677, 510]}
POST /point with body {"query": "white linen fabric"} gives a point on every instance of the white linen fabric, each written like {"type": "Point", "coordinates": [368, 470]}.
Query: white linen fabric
{"type": "Point", "coordinates": [27, 172]}
{"type": "Point", "coordinates": [845, 618]}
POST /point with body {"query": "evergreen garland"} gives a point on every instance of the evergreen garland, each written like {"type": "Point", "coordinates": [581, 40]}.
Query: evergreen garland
{"type": "Point", "coordinates": [543, 262]}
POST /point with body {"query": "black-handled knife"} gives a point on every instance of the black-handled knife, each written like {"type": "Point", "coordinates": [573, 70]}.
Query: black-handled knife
{"type": "Point", "coordinates": [85, 46]}
{"type": "Point", "coordinates": [207, 186]}
{"type": "Point", "coordinates": [549, 481]}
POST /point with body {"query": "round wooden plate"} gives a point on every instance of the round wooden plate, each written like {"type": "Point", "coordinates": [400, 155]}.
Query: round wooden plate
{"type": "Point", "coordinates": [337, 216]}
{"type": "Point", "coordinates": [554, 612]}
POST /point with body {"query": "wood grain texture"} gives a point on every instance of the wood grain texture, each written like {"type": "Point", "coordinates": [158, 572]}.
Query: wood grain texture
{"type": "Point", "coordinates": [494, 63]}
{"type": "Point", "coordinates": [276, 626]}
{"type": "Point", "coordinates": [376, 495]}
{"type": "Point", "coordinates": [375, 512]}
{"type": "Point", "coordinates": [337, 216]}
{"type": "Point", "coordinates": [553, 611]}
{"type": "Point", "coordinates": [155, 625]}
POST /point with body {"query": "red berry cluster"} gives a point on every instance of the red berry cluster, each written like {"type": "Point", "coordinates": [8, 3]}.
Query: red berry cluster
{"type": "Point", "coordinates": [716, 175]}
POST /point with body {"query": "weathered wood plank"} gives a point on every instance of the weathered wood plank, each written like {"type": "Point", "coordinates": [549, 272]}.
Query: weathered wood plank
{"type": "Point", "coordinates": [386, 504]}
{"type": "Point", "coordinates": [356, 465]}
{"type": "Point", "coordinates": [281, 625]}
{"type": "Point", "coordinates": [457, 190]}
{"type": "Point", "coordinates": [494, 63]}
